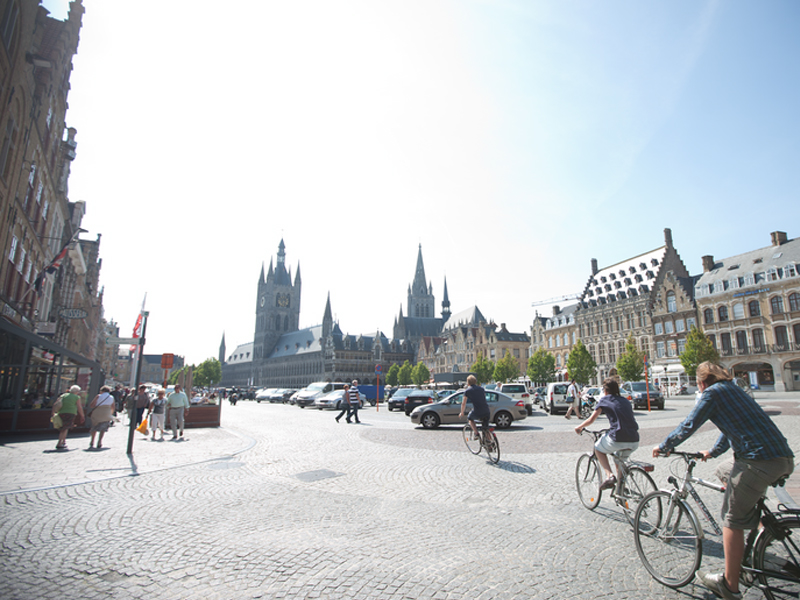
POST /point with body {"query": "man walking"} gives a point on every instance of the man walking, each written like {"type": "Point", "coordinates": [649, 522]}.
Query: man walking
{"type": "Point", "coordinates": [354, 402]}
{"type": "Point", "coordinates": [178, 406]}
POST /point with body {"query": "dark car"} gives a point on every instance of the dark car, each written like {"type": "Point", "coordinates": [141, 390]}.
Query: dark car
{"type": "Point", "coordinates": [637, 392]}
{"type": "Point", "coordinates": [418, 398]}
{"type": "Point", "coordinates": [398, 399]}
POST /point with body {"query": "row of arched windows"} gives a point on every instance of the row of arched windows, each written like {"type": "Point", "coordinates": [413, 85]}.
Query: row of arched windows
{"type": "Point", "coordinates": [752, 309]}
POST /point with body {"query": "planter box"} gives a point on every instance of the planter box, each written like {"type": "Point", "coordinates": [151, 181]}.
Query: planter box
{"type": "Point", "coordinates": [207, 415]}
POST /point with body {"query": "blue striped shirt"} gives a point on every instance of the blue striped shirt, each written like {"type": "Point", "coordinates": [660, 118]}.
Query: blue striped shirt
{"type": "Point", "coordinates": [743, 424]}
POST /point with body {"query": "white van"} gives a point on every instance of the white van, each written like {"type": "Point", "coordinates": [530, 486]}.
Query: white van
{"type": "Point", "coordinates": [313, 391]}
{"type": "Point", "coordinates": [555, 398]}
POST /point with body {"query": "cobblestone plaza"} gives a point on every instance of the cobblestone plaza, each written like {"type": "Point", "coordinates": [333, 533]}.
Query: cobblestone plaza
{"type": "Point", "coordinates": [286, 503]}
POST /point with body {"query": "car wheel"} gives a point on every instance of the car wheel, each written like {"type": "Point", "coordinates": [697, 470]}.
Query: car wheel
{"type": "Point", "coordinates": [503, 419]}
{"type": "Point", "coordinates": [430, 420]}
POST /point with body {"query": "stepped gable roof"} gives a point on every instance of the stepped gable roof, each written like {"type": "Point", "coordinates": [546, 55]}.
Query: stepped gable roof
{"type": "Point", "coordinates": [562, 319]}
{"type": "Point", "coordinates": [631, 277]}
{"type": "Point", "coordinates": [471, 317]}
{"type": "Point", "coordinates": [294, 343]}
{"type": "Point", "coordinates": [242, 354]}
{"type": "Point", "coordinates": [755, 261]}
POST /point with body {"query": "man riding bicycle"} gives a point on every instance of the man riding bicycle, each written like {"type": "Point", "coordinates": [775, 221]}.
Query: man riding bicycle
{"type": "Point", "coordinates": [623, 433]}
{"type": "Point", "coordinates": [761, 456]}
{"type": "Point", "coordinates": [480, 409]}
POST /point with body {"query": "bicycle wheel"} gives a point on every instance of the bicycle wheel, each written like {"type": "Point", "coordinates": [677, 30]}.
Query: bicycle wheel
{"type": "Point", "coordinates": [782, 557]}
{"type": "Point", "coordinates": [668, 539]}
{"type": "Point", "coordinates": [636, 486]}
{"type": "Point", "coordinates": [492, 446]}
{"type": "Point", "coordinates": [587, 480]}
{"type": "Point", "coordinates": [472, 441]}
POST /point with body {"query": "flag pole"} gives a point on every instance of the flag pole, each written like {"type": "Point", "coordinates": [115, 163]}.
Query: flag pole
{"type": "Point", "coordinates": [132, 410]}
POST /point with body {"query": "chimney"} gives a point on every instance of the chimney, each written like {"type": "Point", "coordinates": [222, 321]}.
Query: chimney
{"type": "Point", "coordinates": [594, 266]}
{"type": "Point", "coordinates": [708, 263]}
{"type": "Point", "coordinates": [778, 237]}
{"type": "Point", "coordinates": [556, 310]}
{"type": "Point", "coordinates": [503, 327]}
{"type": "Point", "coordinates": [668, 237]}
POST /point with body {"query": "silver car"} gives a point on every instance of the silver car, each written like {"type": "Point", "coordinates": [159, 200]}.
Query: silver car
{"type": "Point", "coordinates": [335, 399]}
{"type": "Point", "coordinates": [502, 411]}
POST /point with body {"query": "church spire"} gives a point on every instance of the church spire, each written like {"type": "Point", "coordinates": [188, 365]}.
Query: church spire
{"type": "Point", "coordinates": [327, 319]}
{"type": "Point", "coordinates": [445, 303]}
{"type": "Point", "coordinates": [420, 285]}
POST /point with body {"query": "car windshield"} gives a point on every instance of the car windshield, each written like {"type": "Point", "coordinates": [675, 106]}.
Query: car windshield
{"type": "Point", "coordinates": [316, 387]}
{"type": "Point", "coordinates": [516, 389]}
{"type": "Point", "coordinates": [641, 386]}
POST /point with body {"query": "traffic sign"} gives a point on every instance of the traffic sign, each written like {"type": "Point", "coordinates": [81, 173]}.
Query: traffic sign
{"type": "Point", "coordinates": [377, 368]}
{"type": "Point", "coordinates": [121, 341]}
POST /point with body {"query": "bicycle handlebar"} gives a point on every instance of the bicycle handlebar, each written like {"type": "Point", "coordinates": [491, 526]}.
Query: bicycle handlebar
{"type": "Point", "coordinates": [685, 455]}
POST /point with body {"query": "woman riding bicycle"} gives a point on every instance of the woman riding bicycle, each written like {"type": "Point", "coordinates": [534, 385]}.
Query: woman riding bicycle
{"type": "Point", "coordinates": [761, 456]}
{"type": "Point", "coordinates": [623, 433]}
{"type": "Point", "coordinates": [480, 409]}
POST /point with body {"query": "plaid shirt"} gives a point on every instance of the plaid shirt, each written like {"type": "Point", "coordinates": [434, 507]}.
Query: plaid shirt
{"type": "Point", "coordinates": [743, 423]}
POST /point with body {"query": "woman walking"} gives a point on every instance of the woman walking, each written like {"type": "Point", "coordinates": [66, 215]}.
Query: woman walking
{"type": "Point", "coordinates": [101, 410]}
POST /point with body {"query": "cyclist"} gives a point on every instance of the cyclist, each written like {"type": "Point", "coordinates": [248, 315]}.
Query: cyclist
{"type": "Point", "coordinates": [623, 432]}
{"type": "Point", "coordinates": [761, 456]}
{"type": "Point", "coordinates": [480, 409]}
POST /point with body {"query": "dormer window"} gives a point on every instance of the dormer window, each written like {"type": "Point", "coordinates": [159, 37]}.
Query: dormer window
{"type": "Point", "coordinates": [650, 275]}
{"type": "Point", "coordinates": [608, 287]}
{"type": "Point", "coordinates": [632, 270]}
{"type": "Point", "coordinates": [642, 266]}
{"type": "Point", "coordinates": [598, 290]}
{"type": "Point", "coordinates": [789, 271]}
{"type": "Point", "coordinates": [617, 285]}
{"type": "Point", "coordinates": [622, 272]}
{"type": "Point", "coordinates": [603, 279]}
{"type": "Point", "coordinates": [719, 286]}
{"type": "Point", "coordinates": [627, 281]}
{"type": "Point", "coordinates": [733, 267]}
{"type": "Point", "coordinates": [772, 274]}
{"type": "Point", "coordinates": [611, 276]}
{"type": "Point", "coordinates": [638, 278]}
{"type": "Point", "coordinates": [654, 262]}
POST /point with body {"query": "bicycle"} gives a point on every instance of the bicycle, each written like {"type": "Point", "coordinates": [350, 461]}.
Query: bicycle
{"type": "Point", "coordinates": [486, 439]}
{"type": "Point", "coordinates": [633, 480]}
{"type": "Point", "coordinates": [669, 538]}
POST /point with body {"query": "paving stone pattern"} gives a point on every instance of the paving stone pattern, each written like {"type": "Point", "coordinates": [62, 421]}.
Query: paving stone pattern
{"type": "Point", "coordinates": [287, 503]}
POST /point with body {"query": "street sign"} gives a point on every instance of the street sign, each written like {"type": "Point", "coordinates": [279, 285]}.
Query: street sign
{"type": "Point", "coordinates": [377, 368]}
{"type": "Point", "coordinates": [73, 313]}
{"type": "Point", "coordinates": [112, 341]}
{"type": "Point", "coordinates": [167, 361]}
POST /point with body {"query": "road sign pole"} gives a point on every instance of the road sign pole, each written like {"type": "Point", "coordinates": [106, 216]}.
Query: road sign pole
{"type": "Point", "coordinates": [132, 410]}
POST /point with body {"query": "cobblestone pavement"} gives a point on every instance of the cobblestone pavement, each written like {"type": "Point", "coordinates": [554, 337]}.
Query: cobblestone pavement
{"type": "Point", "coordinates": [287, 503]}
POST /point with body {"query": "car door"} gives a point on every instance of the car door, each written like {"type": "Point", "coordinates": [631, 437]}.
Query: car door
{"type": "Point", "coordinates": [451, 409]}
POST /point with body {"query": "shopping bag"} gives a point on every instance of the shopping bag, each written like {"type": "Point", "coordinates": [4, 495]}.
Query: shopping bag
{"type": "Point", "coordinates": [142, 428]}
{"type": "Point", "coordinates": [56, 420]}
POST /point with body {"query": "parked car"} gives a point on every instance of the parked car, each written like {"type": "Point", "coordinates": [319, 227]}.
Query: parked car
{"type": "Point", "coordinates": [278, 394]}
{"type": "Point", "coordinates": [398, 399]}
{"type": "Point", "coordinates": [555, 397]}
{"type": "Point", "coordinates": [262, 394]}
{"type": "Point", "coordinates": [503, 411]}
{"type": "Point", "coordinates": [518, 391]}
{"type": "Point", "coordinates": [335, 400]}
{"type": "Point", "coordinates": [308, 395]}
{"type": "Point", "coordinates": [538, 394]}
{"type": "Point", "coordinates": [591, 392]}
{"type": "Point", "coordinates": [418, 398]}
{"type": "Point", "coordinates": [636, 392]}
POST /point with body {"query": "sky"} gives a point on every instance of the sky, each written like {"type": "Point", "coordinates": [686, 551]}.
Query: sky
{"type": "Point", "coordinates": [513, 140]}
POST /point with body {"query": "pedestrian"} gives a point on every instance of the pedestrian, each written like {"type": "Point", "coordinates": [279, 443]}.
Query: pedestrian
{"type": "Point", "coordinates": [101, 410]}
{"type": "Point", "coordinates": [69, 408]}
{"type": "Point", "coordinates": [142, 402]}
{"type": "Point", "coordinates": [118, 397]}
{"type": "Point", "coordinates": [623, 431]}
{"type": "Point", "coordinates": [344, 404]}
{"type": "Point", "coordinates": [156, 413]}
{"type": "Point", "coordinates": [761, 458]}
{"type": "Point", "coordinates": [178, 405]}
{"type": "Point", "coordinates": [574, 397]}
{"type": "Point", "coordinates": [354, 402]}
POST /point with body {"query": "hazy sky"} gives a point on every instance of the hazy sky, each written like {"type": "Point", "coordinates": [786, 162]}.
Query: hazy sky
{"type": "Point", "coordinates": [514, 140]}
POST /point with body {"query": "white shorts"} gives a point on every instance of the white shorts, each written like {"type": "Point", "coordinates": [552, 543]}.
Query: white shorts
{"type": "Point", "coordinates": [608, 446]}
{"type": "Point", "coordinates": [157, 421]}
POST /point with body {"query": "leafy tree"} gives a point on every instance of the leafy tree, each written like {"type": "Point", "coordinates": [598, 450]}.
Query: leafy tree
{"type": "Point", "coordinates": [542, 367]}
{"type": "Point", "coordinates": [420, 374]}
{"type": "Point", "coordinates": [483, 368]}
{"type": "Point", "coordinates": [698, 350]}
{"type": "Point", "coordinates": [580, 364]}
{"type": "Point", "coordinates": [404, 375]}
{"type": "Point", "coordinates": [210, 370]}
{"type": "Point", "coordinates": [630, 365]}
{"type": "Point", "coordinates": [507, 368]}
{"type": "Point", "coordinates": [391, 376]}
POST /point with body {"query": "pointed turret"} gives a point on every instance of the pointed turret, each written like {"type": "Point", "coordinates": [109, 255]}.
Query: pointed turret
{"type": "Point", "coordinates": [297, 275]}
{"type": "Point", "coordinates": [419, 286]}
{"type": "Point", "coordinates": [261, 279]}
{"type": "Point", "coordinates": [445, 303]}
{"type": "Point", "coordinates": [327, 319]}
{"type": "Point", "coordinates": [222, 350]}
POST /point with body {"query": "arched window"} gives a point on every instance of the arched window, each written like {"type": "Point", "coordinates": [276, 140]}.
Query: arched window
{"type": "Point", "coordinates": [722, 313]}
{"type": "Point", "coordinates": [776, 305]}
{"type": "Point", "coordinates": [796, 332]}
{"type": "Point", "coordinates": [758, 340]}
{"type": "Point", "coordinates": [8, 26]}
{"type": "Point", "coordinates": [738, 310]}
{"type": "Point", "coordinates": [708, 316]}
{"type": "Point", "coordinates": [754, 307]}
{"type": "Point", "coordinates": [741, 342]}
{"type": "Point", "coordinates": [601, 353]}
{"type": "Point", "coordinates": [781, 338]}
{"type": "Point", "coordinates": [672, 305]}
{"type": "Point", "coordinates": [612, 355]}
{"type": "Point", "coordinates": [794, 302]}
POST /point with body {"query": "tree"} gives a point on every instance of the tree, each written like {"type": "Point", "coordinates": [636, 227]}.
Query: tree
{"type": "Point", "coordinates": [391, 376]}
{"type": "Point", "coordinates": [482, 369]}
{"type": "Point", "coordinates": [630, 365]}
{"type": "Point", "coordinates": [698, 350]}
{"type": "Point", "coordinates": [210, 370]}
{"type": "Point", "coordinates": [420, 374]}
{"type": "Point", "coordinates": [404, 375]}
{"type": "Point", "coordinates": [173, 377]}
{"type": "Point", "coordinates": [507, 368]}
{"type": "Point", "coordinates": [580, 364]}
{"type": "Point", "coordinates": [542, 367]}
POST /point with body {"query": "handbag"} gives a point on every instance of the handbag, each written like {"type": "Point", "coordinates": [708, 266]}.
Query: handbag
{"type": "Point", "coordinates": [142, 428]}
{"type": "Point", "coordinates": [56, 421]}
